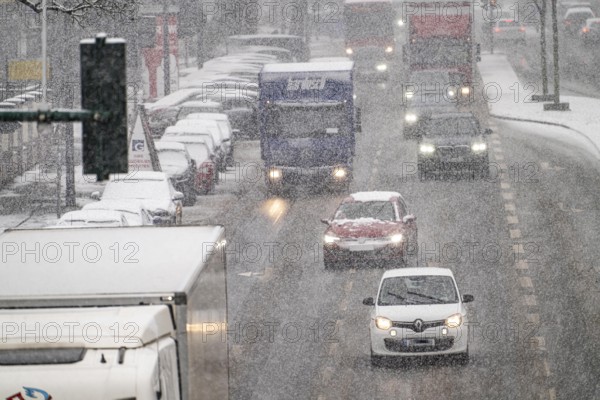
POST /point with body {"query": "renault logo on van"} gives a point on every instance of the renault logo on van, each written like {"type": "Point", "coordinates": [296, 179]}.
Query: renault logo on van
{"type": "Point", "coordinates": [418, 325]}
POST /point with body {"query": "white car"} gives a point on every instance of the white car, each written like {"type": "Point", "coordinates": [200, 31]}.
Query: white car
{"type": "Point", "coordinates": [222, 142]}
{"type": "Point", "coordinates": [153, 189]}
{"type": "Point", "coordinates": [418, 312]}
{"type": "Point", "coordinates": [226, 130]}
{"type": "Point", "coordinates": [133, 210]}
{"type": "Point", "coordinates": [91, 218]}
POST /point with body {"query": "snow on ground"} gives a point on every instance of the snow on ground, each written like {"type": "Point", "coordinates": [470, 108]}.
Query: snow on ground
{"type": "Point", "coordinates": [507, 97]}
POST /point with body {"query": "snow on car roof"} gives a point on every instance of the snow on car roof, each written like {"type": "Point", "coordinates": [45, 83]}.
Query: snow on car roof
{"type": "Point", "coordinates": [211, 116]}
{"type": "Point", "coordinates": [577, 10]}
{"type": "Point", "coordinates": [374, 196]}
{"type": "Point", "coordinates": [118, 205]}
{"type": "Point", "coordinates": [139, 176]}
{"type": "Point", "coordinates": [309, 67]}
{"type": "Point", "coordinates": [417, 271]}
{"type": "Point", "coordinates": [190, 129]}
{"type": "Point", "coordinates": [173, 99]}
{"type": "Point", "coordinates": [202, 103]}
{"type": "Point", "coordinates": [98, 215]}
{"type": "Point", "coordinates": [184, 139]}
{"type": "Point", "coordinates": [163, 146]}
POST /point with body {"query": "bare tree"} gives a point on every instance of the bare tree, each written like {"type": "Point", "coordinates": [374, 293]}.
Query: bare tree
{"type": "Point", "coordinates": [80, 9]}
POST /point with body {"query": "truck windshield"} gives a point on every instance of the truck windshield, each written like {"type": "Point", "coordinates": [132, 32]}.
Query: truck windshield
{"type": "Point", "coordinates": [451, 127]}
{"type": "Point", "coordinates": [361, 23]}
{"type": "Point", "coordinates": [440, 53]}
{"type": "Point", "coordinates": [302, 122]}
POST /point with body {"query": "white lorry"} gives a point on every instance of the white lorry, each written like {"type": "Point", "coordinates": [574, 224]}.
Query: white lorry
{"type": "Point", "coordinates": [113, 314]}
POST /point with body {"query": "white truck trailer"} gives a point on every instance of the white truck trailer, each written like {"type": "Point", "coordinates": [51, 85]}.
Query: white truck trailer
{"type": "Point", "coordinates": [113, 314]}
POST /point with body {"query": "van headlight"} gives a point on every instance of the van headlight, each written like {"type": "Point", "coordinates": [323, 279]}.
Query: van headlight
{"type": "Point", "coordinates": [381, 67]}
{"type": "Point", "coordinates": [349, 51]}
{"type": "Point", "coordinates": [453, 321]}
{"type": "Point", "coordinates": [339, 173]}
{"type": "Point", "coordinates": [389, 49]}
{"type": "Point", "coordinates": [275, 174]}
{"type": "Point", "coordinates": [397, 238]}
{"type": "Point", "coordinates": [410, 118]}
{"type": "Point", "coordinates": [451, 93]}
{"type": "Point", "coordinates": [383, 323]}
{"type": "Point", "coordinates": [330, 239]}
{"type": "Point", "coordinates": [465, 90]}
{"type": "Point", "coordinates": [427, 148]}
{"type": "Point", "coordinates": [477, 147]}
{"type": "Point", "coordinates": [400, 22]}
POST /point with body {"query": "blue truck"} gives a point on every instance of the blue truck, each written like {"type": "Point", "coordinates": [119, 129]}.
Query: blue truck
{"type": "Point", "coordinates": [307, 123]}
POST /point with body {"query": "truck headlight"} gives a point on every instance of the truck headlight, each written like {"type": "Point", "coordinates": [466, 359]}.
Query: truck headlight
{"type": "Point", "coordinates": [330, 239]}
{"type": "Point", "coordinates": [383, 323]}
{"type": "Point", "coordinates": [465, 90]}
{"type": "Point", "coordinates": [477, 147]}
{"type": "Point", "coordinates": [381, 67]}
{"type": "Point", "coordinates": [410, 118]}
{"type": "Point", "coordinates": [389, 49]}
{"type": "Point", "coordinates": [275, 174]}
{"type": "Point", "coordinates": [451, 93]}
{"type": "Point", "coordinates": [453, 321]}
{"type": "Point", "coordinates": [349, 51]}
{"type": "Point", "coordinates": [339, 173]}
{"type": "Point", "coordinates": [427, 148]}
{"type": "Point", "coordinates": [400, 22]}
{"type": "Point", "coordinates": [397, 238]}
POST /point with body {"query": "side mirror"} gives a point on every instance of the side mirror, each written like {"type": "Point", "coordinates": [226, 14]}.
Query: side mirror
{"type": "Point", "coordinates": [95, 195]}
{"type": "Point", "coordinates": [326, 221]}
{"type": "Point", "coordinates": [467, 298]}
{"type": "Point", "coordinates": [409, 218]}
{"type": "Point", "coordinates": [226, 140]}
{"type": "Point", "coordinates": [488, 131]}
{"type": "Point", "coordinates": [178, 196]}
{"type": "Point", "coordinates": [369, 301]}
{"type": "Point", "coordinates": [193, 162]}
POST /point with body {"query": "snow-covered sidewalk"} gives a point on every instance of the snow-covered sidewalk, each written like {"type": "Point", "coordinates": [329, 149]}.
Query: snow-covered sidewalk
{"type": "Point", "coordinates": [509, 98]}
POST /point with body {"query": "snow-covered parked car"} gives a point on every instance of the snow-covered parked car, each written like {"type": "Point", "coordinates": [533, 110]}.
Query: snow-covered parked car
{"type": "Point", "coordinates": [418, 312]}
{"type": "Point", "coordinates": [133, 210]}
{"type": "Point", "coordinates": [153, 189]}
{"type": "Point", "coordinates": [227, 132]}
{"type": "Point", "coordinates": [176, 162]}
{"type": "Point", "coordinates": [91, 218]}
{"type": "Point", "coordinates": [369, 226]}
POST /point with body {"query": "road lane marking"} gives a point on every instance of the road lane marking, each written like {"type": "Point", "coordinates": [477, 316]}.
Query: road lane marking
{"type": "Point", "coordinates": [498, 150]}
{"type": "Point", "coordinates": [510, 207]}
{"type": "Point", "coordinates": [522, 264]}
{"type": "Point", "coordinates": [499, 157]}
{"type": "Point", "coordinates": [504, 185]}
{"type": "Point", "coordinates": [546, 369]}
{"type": "Point", "coordinates": [547, 167]}
{"type": "Point", "coordinates": [552, 393]}
{"type": "Point", "coordinates": [515, 233]}
{"type": "Point", "coordinates": [539, 343]}
{"type": "Point", "coordinates": [518, 248]}
{"type": "Point", "coordinates": [512, 220]}
{"type": "Point", "coordinates": [344, 304]}
{"type": "Point", "coordinates": [348, 286]}
{"type": "Point", "coordinates": [533, 318]}
{"type": "Point", "coordinates": [508, 195]}
{"type": "Point", "coordinates": [530, 300]}
{"type": "Point", "coordinates": [333, 348]}
{"type": "Point", "coordinates": [496, 141]}
{"type": "Point", "coordinates": [525, 282]}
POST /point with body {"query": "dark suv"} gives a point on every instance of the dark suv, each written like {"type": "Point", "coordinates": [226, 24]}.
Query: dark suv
{"type": "Point", "coordinates": [453, 142]}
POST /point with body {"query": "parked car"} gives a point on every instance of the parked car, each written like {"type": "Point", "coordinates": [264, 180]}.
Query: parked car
{"type": "Point", "coordinates": [153, 189]}
{"type": "Point", "coordinates": [369, 226]}
{"type": "Point", "coordinates": [575, 19]}
{"type": "Point", "coordinates": [176, 162]}
{"type": "Point", "coordinates": [197, 106]}
{"type": "Point", "coordinates": [221, 144]}
{"type": "Point", "coordinates": [91, 218]}
{"type": "Point", "coordinates": [163, 112]}
{"type": "Point", "coordinates": [200, 152]}
{"type": "Point", "coordinates": [227, 133]}
{"type": "Point", "coordinates": [453, 141]}
{"type": "Point", "coordinates": [418, 312]}
{"type": "Point", "coordinates": [590, 33]}
{"type": "Point", "coordinates": [283, 55]}
{"type": "Point", "coordinates": [509, 31]}
{"type": "Point", "coordinates": [295, 44]}
{"type": "Point", "coordinates": [133, 210]}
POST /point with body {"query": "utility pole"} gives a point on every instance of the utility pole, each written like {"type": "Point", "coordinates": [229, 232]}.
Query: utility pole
{"type": "Point", "coordinates": [544, 62]}
{"type": "Point", "coordinates": [557, 105]}
{"type": "Point", "coordinates": [166, 51]}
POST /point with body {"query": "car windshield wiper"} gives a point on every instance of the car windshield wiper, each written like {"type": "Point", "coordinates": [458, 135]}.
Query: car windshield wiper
{"type": "Point", "coordinates": [396, 295]}
{"type": "Point", "coordinates": [427, 297]}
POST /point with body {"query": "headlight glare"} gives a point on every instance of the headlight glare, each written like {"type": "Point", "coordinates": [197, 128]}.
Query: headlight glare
{"type": "Point", "coordinates": [339, 173]}
{"type": "Point", "coordinates": [275, 174]}
{"type": "Point", "coordinates": [453, 321]}
{"type": "Point", "coordinates": [427, 148]}
{"type": "Point", "coordinates": [478, 147]}
{"type": "Point", "coordinates": [465, 90]}
{"type": "Point", "coordinates": [383, 323]}
{"type": "Point", "coordinates": [349, 51]}
{"type": "Point", "coordinates": [381, 67]}
{"type": "Point", "coordinates": [329, 239]}
{"type": "Point", "coordinates": [389, 49]}
{"type": "Point", "coordinates": [397, 238]}
{"type": "Point", "coordinates": [410, 118]}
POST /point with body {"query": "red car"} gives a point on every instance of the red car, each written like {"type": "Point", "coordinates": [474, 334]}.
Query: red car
{"type": "Point", "coordinates": [369, 226]}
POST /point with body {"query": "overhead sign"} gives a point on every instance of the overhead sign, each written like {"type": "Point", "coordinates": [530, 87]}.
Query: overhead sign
{"type": "Point", "coordinates": [28, 70]}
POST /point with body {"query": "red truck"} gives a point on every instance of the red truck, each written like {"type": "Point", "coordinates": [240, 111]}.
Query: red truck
{"type": "Point", "coordinates": [440, 36]}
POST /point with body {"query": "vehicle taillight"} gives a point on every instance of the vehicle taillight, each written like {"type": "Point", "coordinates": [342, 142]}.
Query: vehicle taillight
{"type": "Point", "coordinates": [521, 29]}
{"type": "Point", "coordinates": [497, 30]}
{"type": "Point", "coordinates": [585, 29]}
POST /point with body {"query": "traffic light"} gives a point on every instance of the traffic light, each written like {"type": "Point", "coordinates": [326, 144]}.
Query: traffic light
{"type": "Point", "coordinates": [104, 92]}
